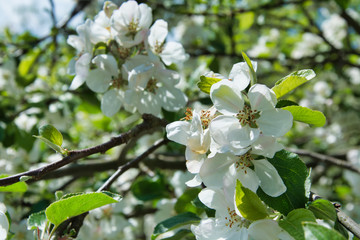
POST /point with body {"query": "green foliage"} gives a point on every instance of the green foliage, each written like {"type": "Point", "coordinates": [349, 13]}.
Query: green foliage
{"type": "Point", "coordinates": [292, 81]}
{"type": "Point", "coordinates": [246, 20]}
{"type": "Point", "coordinates": [292, 223]}
{"type": "Point", "coordinates": [294, 173]}
{"type": "Point", "coordinates": [253, 79]}
{"type": "Point", "coordinates": [205, 83]}
{"type": "Point", "coordinates": [185, 202]}
{"type": "Point", "coordinates": [37, 221]}
{"type": "Point", "coordinates": [175, 222]}
{"type": "Point", "coordinates": [16, 187]}
{"type": "Point", "coordinates": [68, 207]}
{"type": "Point", "coordinates": [52, 137]}
{"type": "Point", "coordinates": [306, 115]}
{"type": "Point", "coordinates": [323, 209]}
{"type": "Point", "coordinates": [147, 188]}
{"type": "Point", "coordinates": [316, 231]}
{"type": "Point", "coordinates": [248, 203]}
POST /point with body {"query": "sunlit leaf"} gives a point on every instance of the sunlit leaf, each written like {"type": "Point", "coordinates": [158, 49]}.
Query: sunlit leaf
{"type": "Point", "coordinates": [307, 115]}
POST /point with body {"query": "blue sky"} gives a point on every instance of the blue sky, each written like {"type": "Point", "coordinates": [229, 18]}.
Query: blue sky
{"type": "Point", "coordinates": [34, 15]}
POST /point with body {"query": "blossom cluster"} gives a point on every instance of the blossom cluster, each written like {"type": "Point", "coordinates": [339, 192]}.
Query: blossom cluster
{"type": "Point", "coordinates": [228, 143]}
{"type": "Point", "coordinates": [123, 56]}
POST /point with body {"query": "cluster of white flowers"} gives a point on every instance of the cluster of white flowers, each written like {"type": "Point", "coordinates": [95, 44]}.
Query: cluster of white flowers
{"type": "Point", "coordinates": [228, 143]}
{"type": "Point", "coordinates": [121, 55]}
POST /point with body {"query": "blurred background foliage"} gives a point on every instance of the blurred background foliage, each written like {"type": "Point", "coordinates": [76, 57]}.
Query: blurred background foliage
{"type": "Point", "coordinates": [281, 35]}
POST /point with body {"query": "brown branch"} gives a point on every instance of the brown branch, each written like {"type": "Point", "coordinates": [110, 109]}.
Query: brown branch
{"type": "Point", "coordinates": [148, 123]}
{"type": "Point", "coordinates": [327, 159]}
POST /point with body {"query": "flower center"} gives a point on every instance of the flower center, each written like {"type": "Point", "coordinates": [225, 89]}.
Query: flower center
{"type": "Point", "coordinates": [133, 27]}
{"type": "Point", "coordinates": [152, 85]}
{"type": "Point", "coordinates": [234, 220]}
{"type": "Point", "coordinates": [159, 47]}
{"type": "Point", "coordinates": [205, 117]}
{"type": "Point", "coordinates": [247, 116]}
{"type": "Point", "coordinates": [244, 162]}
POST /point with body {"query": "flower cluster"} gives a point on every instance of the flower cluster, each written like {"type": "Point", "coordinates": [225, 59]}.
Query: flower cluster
{"type": "Point", "coordinates": [121, 55]}
{"type": "Point", "coordinates": [228, 143]}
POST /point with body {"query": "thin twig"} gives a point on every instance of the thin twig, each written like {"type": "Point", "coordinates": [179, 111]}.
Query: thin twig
{"type": "Point", "coordinates": [148, 123]}
{"type": "Point", "coordinates": [130, 164]}
{"type": "Point", "coordinates": [327, 159]}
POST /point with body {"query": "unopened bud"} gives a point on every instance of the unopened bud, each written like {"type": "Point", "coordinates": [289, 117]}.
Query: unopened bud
{"type": "Point", "coordinates": [109, 7]}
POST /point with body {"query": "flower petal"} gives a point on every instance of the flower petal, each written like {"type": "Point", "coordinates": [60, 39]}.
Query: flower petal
{"type": "Point", "coordinates": [270, 180]}
{"type": "Point", "coordinates": [246, 176]}
{"type": "Point", "coordinates": [195, 182]}
{"type": "Point", "coordinates": [81, 70]}
{"type": "Point", "coordinates": [158, 33]}
{"type": "Point", "coordinates": [178, 131]}
{"type": "Point", "coordinates": [111, 102]}
{"type": "Point", "coordinates": [214, 169]}
{"type": "Point", "coordinates": [227, 99]}
{"type": "Point", "coordinates": [266, 146]}
{"type": "Point", "coordinates": [267, 229]}
{"type": "Point", "coordinates": [275, 122]}
{"type": "Point", "coordinates": [107, 63]}
{"type": "Point", "coordinates": [261, 97]}
{"type": "Point", "coordinates": [241, 137]}
{"type": "Point", "coordinates": [173, 52]}
{"type": "Point", "coordinates": [171, 99]}
{"type": "Point", "coordinates": [98, 80]}
{"type": "Point", "coordinates": [240, 75]}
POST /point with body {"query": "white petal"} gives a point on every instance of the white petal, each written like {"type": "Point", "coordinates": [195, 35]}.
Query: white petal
{"type": "Point", "coordinates": [145, 16]}
{"type": "Point", "coordinates": [214, 169]}
{"type": "Point", "coordinates": [178, 131]}
{"type": "Point", "coordinates": [158, 33]}
{"type": "Point", "coordinates": [111, 102]}
{"type": "Point", "coordinates": [193, 161]}
{"type": "Point", "coordinates": [246, 176]}
{"type": "Point", "coordinates": [171, 99]}
{"type": "Point", "coordinates": [81, 70]}
{"type": "Point", "coordinates": [242, 136]}
{"type": "Point", "coordinates": [140, 76]}
{"type": "Point", "coordinates": [275, 122]}
{"type": "Point", "coordinates": [266, 146]}
{"type": "Point", "coordinates": [240, 75]}
{"type": "Point", "coordinates": [4, 226]}
{"type": "Point", "coordinates": [261, 97]}
{"type": "Point", "coordinates": [225, 97]}
{"type": "Point", "coordinates": [98, 80]}
{"type": "Point", "coordinates": [214, 198]}
{"type": "Point", "coordinates": [148, 103]}
{"type": "Point", "coordinates": [173, 52]}
{"type": "Point", "coordinates": [267, 229]}
{"type": "Point", "coordinates": [107, 63]}
{"type": "Point", "coordinates": [219, 128]}
{"type": "Point", "coordinates": [270, 181]}
{"type": "Point", "coordinates": [195, 182]}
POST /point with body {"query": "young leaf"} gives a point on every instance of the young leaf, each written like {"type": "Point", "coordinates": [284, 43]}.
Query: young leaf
{"type": "Point", "coordinates": [37, 221]}
{"type": "Point", "coordinates": [52, 137]}
{"type": "Point", "coordinates": [294, 173]}
{"type": "Point", "coordinates": [323, 209]}
{"type": "Point", "coordinates": [205, 83]}
{"type": "Point", "coordinates": [293, 222]}
{"type": "Point", "coordinates": [149, 188]}
{"type": "Point", "coordinates": [284, 103]}
{"type": "Point", "coordinates": [307, 115]}
{"type": "Point", "coordinates": [292, 81]}
{"type": "Point", "coordinates": [248, 203]}
{"type": "Point", "coordinates": [253, 78]}
{"type": "Point", "coordinates": [316, 231]}
{"type": "Point", "coordinates": [66, 208]}
{"type": "Point", "coordinates": [185, 201]}
{"type": "Point", "coordinates": [181, 234]}
{"type": "Point", "coordinates": [175, 222]}
{"type": "Point", "coordinates": [16, 187]}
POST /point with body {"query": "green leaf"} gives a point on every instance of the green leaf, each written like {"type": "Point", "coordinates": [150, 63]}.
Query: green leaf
{"type": "Point", "coordinates": [341, 229]}
{"type": "Point", "coordinates": [37, 221]}
{"type": "Point", "coordinates": [28, 61]}
{"type": "Point", "coordinates": [343, 3]}
{"type": "Point", "coordinates": [175, 222]}
{"type": "Point", "coordinates": [253, 78]}
{"type": "Point", "coordinates": [73, 206]}
{"type": "Point", "coordinates": [323, 209]}
{"type": "Point", "coordinates": [293, 222]}
{"type": "Point", "coordinates": [292, 81]}
{"type": "Point", "coordinates": [249, 204]}
{"type": "Point", "coordinates": [16, 187]}
{"type": "Point", "coordinates": [316, 231]}
{"type": "Point", "coordinates": [180, 235]}
{"type": "Point", "coordinates": [52, 137]}
{"type": "Point", "coordinates": [293, 173]}
{"type": "Point", "coordinates": [246, 20]}
{"type": "Point", "coordinates": [185, 201]}
{"type": "Point", "coordinates": [307, 115]}
{"type": "Point", "coordinates": [149, 188]}
{"type": "Point", "coordinates": [205, 83]}
{"type": "Point", "coordinates": [284, 103]}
